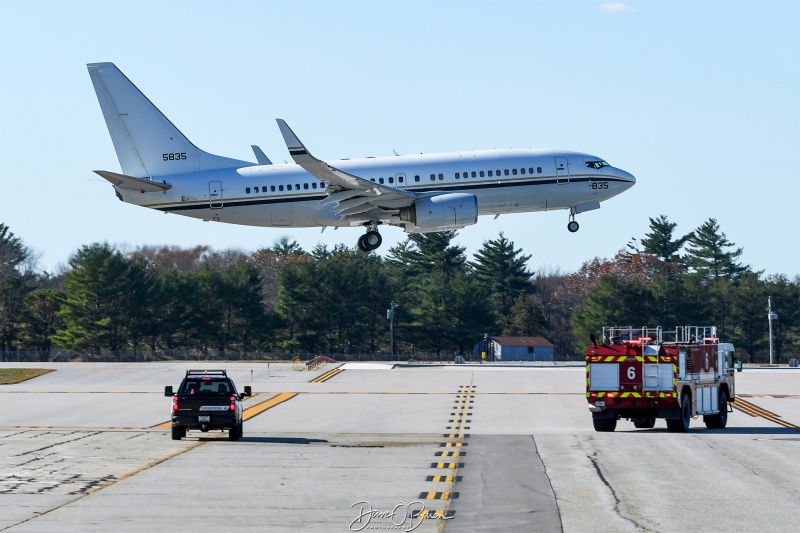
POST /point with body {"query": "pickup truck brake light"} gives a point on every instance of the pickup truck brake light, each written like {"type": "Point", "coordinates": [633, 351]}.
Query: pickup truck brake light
{"type": "Point", "coordinates": [175, 403]}
{"type": "Point", "coordinates": [233, 403]}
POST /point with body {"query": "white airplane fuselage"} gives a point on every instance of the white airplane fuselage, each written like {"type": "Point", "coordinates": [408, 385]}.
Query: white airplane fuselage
{"type": "Point", "coordinates": [163, 170]}
{"type": "Point", "coordinates": [286, 195]}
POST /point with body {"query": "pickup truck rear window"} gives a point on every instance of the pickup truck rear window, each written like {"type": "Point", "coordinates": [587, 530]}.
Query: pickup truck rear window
{"type": "Point", "coordinates": [206, 388]}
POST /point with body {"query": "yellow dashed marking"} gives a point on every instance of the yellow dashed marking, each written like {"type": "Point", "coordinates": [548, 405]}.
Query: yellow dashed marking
{"type": "Point", "coordinates": [438, 495]}
{"type": "Point", "coordinates": [450, 454]}
{"type": "Point", "coordinates": [444, 479]}
{"type": "Point", "coordinates": [450, 466]}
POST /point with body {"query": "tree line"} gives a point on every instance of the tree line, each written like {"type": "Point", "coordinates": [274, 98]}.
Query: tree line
{"type": "Point", "coordinates": [288, 300]}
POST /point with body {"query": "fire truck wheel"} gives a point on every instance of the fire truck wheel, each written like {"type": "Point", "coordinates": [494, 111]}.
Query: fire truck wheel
{"type": "Point", "coordinates": [681, 425]}
{"type": "Point", "coordinates": [605, 424]}
{"type": "Point", "coordinates": [721, 420]}
{"type": "Point", "coordinates": [645, 423]}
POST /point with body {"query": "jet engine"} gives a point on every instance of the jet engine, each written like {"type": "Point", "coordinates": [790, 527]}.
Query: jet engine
{"type": "Point", "coordinates": [444, 212]}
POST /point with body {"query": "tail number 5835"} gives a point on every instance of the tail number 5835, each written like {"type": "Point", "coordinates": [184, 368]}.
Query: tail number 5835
{"type": "Point", "coordinates": [182, 155]}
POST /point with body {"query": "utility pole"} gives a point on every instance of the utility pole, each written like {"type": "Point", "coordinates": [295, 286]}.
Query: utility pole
{"type": "Point", "coordinates": [770, 317]}
{"type": "Point", "coordinates": [390, 316]}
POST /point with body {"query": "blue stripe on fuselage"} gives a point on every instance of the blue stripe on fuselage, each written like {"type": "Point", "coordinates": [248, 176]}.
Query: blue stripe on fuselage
{"type": "Point", "coordinates": [451, 187]}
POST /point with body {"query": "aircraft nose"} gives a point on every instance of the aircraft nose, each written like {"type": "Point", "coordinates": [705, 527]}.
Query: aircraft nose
{"type": "Point", "coordinates": [627, 176]}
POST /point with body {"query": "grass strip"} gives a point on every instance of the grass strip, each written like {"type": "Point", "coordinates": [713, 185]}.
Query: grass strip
{"type": "Point", "coordinates": [10, 376]}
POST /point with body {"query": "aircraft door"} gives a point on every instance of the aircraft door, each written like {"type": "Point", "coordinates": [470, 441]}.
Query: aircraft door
{"type": "Point", "coordinates": [562, 170]}
{"type": "Point", "coordinates": [215, 194]}
{"type": "Point", "coordinates": [400, 181]}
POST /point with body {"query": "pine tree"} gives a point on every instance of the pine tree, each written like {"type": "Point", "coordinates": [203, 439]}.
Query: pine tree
{"type": "Point", "coordinates": [100, 297]}
{"type": "Point", "coordinates": [441, 302]}
{"type": "Point", "coordinates": [660, 241]}
{"type": "Point", "coordinates": [502, 271]}
{"type": "Point", "coordinates": [284, 247]}
{"type": "Point", "coordinates": [297, 296]}
{"type": "Point", "coordinates": [13, 289]}
{"type": "Point", "coordinates": [748, 315]}
{"type": "Point", "coordinates": [613, 301]}
{"type": "Point", "coordinates": [40, 319]}
{"type": "Point", "coordinates": [12, 252]}
{"type": "Point", "coordinates": [423, 253]}
{"type": "Point", "coordinates": [709, 255]}
{"type": "Point", "coordinates": [525, 318]}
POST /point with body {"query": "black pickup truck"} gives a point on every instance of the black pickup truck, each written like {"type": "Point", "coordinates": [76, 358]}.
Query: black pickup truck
{"type": "Point", "coordinates": [206, 400]}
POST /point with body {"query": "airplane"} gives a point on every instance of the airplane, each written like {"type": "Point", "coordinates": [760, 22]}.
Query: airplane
{"type": "Point", "coordinates": [163, 170]}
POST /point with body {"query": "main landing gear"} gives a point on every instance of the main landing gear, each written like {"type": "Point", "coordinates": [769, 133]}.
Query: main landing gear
{"type": "Point", "coordinates": [371, 240]}
{"type": "Point", "coordinates": [572, 226]}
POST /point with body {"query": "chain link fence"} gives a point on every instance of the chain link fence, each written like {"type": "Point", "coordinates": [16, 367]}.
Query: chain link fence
{"type": "Point", "coordinates": [130, 356]}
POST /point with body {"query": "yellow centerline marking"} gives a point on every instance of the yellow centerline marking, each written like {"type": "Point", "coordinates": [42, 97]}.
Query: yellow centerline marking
{"type": "Point", "coordinates": [327, 375]}
{"type": "Point", "coordinates": [250, 412]}
{"type": "Point", "coordinates": [256, 410]}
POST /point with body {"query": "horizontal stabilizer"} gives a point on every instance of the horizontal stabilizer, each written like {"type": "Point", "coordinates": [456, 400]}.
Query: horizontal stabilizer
{"type": "Point", "coordinates": [134, 184]}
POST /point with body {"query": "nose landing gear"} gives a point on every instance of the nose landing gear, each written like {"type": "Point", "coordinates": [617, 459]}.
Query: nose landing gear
{"type": "Point", "coordinates": [371, 240]}
{"type": "Point", "coordinates": [572, 226]}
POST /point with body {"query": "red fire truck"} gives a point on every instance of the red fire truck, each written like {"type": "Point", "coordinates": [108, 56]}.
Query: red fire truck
{"type": "Point", "coordinates": [646, 373]}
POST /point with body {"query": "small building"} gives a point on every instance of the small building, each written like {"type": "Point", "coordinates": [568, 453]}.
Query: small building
{"type": "Point", "coordinates": [515, 349]}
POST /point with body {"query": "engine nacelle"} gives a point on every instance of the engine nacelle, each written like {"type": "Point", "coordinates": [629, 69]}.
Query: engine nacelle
{"type": "Point", "coordinates": [444, 212]}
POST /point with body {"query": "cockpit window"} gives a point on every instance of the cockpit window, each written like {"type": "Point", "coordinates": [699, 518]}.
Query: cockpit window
{"type": "Point", "coordinates": [597, 164]}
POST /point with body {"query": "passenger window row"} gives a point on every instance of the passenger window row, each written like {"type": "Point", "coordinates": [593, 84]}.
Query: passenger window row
{"type": "Point", "coordinates": [491, 173]}
{"type": "Point", "coordinates": [485, 173]}
{"type": "Point", "coordinates": [273, 188]}
{"type": "Point", "coordinates": [390, 180]}
{"type": "Point", "coordinates": [400, 179]}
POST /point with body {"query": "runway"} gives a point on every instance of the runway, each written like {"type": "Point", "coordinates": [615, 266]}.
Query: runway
{"type": "Point", "coordinates": [360, 447]}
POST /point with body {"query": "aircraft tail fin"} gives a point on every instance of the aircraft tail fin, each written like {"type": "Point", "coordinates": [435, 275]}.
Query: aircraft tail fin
{"type": "Point", "coordinates": [146, 142]}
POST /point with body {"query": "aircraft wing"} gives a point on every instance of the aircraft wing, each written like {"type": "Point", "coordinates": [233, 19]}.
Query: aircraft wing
{"type": "Point", "coordinates": [355, 196]}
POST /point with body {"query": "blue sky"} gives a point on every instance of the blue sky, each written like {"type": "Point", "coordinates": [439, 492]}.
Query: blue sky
{"type": "Point", "coordinates": [699, 100]}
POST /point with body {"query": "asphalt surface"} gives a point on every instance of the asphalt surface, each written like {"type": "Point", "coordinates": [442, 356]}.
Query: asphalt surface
{"type": "Point", "coordinates": [363, 447]}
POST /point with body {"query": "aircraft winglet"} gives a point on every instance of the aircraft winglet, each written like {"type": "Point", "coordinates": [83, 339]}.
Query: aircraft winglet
{"type": "Point", "coordinates": [261, 157]}
{"type": "Point", "coordinates": [336, 177]}
{"type": "Point", "coordinates": [293, 144]}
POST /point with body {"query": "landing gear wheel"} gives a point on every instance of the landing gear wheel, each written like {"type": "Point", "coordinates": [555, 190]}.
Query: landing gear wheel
{"type": "Point", "coordinates": [604, 424]}
{"type": "Point", "coordinates": [720, 420]}
{"type": "Point", "coordinates": [681, 425]}
{"type": "Point", "coordinates": [178, 432]}
{"type": "Point", "coordinates": [371, 240]}
{"type": "Point", "coordinates": [573, 226]}
{"type": "Point", "coordinates": [645, 423]}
